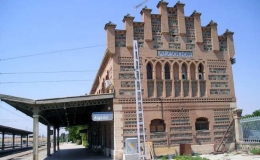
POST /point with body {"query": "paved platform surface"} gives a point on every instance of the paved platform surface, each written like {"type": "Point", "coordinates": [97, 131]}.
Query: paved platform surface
{"type": "Point", "coordinates": [78, 152]}
{"type": "Point", "coordinates": [67, 151]}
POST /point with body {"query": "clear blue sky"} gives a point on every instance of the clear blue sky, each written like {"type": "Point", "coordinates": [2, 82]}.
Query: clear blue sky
{"type": "Point", "coordinates": [32, 27]}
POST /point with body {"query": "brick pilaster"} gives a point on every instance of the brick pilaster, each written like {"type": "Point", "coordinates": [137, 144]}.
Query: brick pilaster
{"type": "Point", "coordinates": [214, 36]}
{"type": "Point", "coordinates": [146, 16]}
{"type": "Point", "coordinates": [162, 6]}
{"type": "Point", "coordinates": [128, 20]}
{"type": "Point", "coordinates": [110, 34]}
{"type": "Point", "coordinates": [181, 18]}
{"type": "Point", "coordinates": [197, 26]}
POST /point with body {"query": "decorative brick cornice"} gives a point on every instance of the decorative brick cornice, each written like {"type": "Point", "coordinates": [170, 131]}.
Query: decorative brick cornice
{"type": "Point", "coordinates": [212, 23]}
{"type": "Point", "coordinates": [141, 24]}
{"type": "Point", "coordinates": [161, 2]}
{"type": "Point", "coordinates": [128, 16]}
{"type": "Point", "coordinates": [110, 24]}
{"type": "Point", "coordinates": [104, 62]}
{"type": "Point", "coordinates": [228, 32]}
{"type": "Point", "coordinates": [120, 31]}
{"type": "Point", "coordinates": [155, 16]}
{"type": "Point", "coordinates": [174, 100]}
{"type": "Point", "coordinates": [145, 9]}
{"type": "Point", "coordinates": [195, 13]}
{"type": "Point", "coordinates": [179, 4]}
{"type": "Point", "coordinates": [237, 113]}
{"type": "Point", "coordinates": [222, 37]}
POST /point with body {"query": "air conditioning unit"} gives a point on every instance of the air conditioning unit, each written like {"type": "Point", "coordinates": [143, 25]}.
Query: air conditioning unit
{"type": "Point", "coordinates": [108, 83]}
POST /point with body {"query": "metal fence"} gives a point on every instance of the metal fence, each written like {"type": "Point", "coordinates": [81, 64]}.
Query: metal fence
{"type": "Point", "coordinates": [251, 129]}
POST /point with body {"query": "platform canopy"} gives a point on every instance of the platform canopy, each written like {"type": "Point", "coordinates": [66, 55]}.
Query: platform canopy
{"type": "Point", "coordinates": [62, 112]}
{"type": "Point", "coordinates": [10, 130]}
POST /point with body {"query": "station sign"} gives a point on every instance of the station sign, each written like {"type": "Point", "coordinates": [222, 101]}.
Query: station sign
{"type": "Point", "coordinates": [168, 53]}
{"type": "Point", "coordinates": [102, 116]}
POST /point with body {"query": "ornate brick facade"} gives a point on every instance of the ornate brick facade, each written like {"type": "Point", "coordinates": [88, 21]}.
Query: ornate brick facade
{"type": "Point", "coordinates": [187, 79]}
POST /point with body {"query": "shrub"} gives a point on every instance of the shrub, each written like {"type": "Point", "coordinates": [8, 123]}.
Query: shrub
{"type": "Point", "coordinates": [85, 143]}
{"type": "Point", "coordinates": [255, 151]}
{"type": "Point", "coordinates": [164, 157]}
{"type": "Point", "coordinates": [78, 142]}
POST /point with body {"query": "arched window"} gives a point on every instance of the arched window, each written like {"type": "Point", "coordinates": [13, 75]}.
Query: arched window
{"type": "Point", "coordinates": [200, 71]}
{"type": "Point", "coordinates": [184, 71]}
{"type": "Point", "coordinates": [158, 71]}
{"type": "Point", "coordinates": [167, 71]}
{"type": "Point", "coordinates": [192, 71]}
{"type": "Point", "coordinates": [176, 71]}
{"type": "Point", "coordinates": [157, 125]}
{"type": "Point", "coordinates": [107, 76]}
{"type": "Point", "coordinates": [202, 124]}
{"type": "Point", "coordinates": [149, 71]}
{"type": "Point", "coordinates": [103, 88]}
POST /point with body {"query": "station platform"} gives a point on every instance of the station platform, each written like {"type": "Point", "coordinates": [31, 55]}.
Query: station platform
{"type": "Point", "coordinates": [66, 152]}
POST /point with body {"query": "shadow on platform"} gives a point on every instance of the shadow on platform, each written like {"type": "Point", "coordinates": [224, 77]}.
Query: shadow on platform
{"type": "Point", "coordinates": [75, 154]}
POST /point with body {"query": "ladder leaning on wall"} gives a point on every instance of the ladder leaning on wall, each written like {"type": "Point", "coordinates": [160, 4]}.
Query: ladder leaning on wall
{"type": "Point", "coordinates": [219, 146]}
{"type": "Point", "coordinates": [139, 104]}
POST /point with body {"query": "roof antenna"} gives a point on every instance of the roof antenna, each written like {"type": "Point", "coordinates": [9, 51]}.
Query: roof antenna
{"type": "Point", "coordinates": [139, 5]}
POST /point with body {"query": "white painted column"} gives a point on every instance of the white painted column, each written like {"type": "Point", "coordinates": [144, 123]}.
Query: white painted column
{"type": "Point", "coordinates": [237, 116]}
{"type": "Point", "coordinates": [48, 141]}
{"type": "Point", "coordinates": [21, 141]}
{"type": "Point", "coordinates": [54, 139]}
{"type": "Point", "coordinates": [35, 132]}
{"type": "Point", "coordinates": [13, 140]}
{"type": "Point", "coordinates": [27, 140]}
{"type": "Point", "coordinates": [3, 140]}
{"type": "Point", "coordinates": [58, 138]}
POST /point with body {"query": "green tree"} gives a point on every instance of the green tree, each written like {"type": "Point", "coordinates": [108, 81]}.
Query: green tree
{"type": "Point", "coordinates": [254, 114]}
{"type": "Point", "coordinates": [62, 137]}
{"type": "Point", "coordinates": [74, 134]}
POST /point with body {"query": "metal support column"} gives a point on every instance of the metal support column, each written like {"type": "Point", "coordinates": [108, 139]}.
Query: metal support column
{"type": "Point", "coordinates": [90, 136]}
{"type": "Point", "coordinates": [54, 139]}
{"type": "Point", "coordinates": [27, 140]}
{"type": "Point", "coordinates": [58, 138]}
{"type": "Point", "coordinates": [48, 141]}
{"type": "Point", "coordinates": [35, 132]}
{"type": "Point", "coordinates": [3, 141]}
{"type": "Point", "coordinates": [21, 141]}
{"type": "Point", "coordinates": [139, 104]}
{"type": "Point", "coordinates": [13, 140]}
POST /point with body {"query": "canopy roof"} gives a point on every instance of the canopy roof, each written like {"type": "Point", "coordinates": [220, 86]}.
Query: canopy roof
{"type": "Point", "coordinates": [62, 112]}
{"type": "Point", "coordinates": [10, 130]}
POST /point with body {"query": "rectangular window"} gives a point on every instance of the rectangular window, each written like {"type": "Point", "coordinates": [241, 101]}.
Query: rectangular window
{"type": "Point", "coordinates": [160, 128]}
{"type": "Point", "coordinates": [152, 128]}
{"type": "Point", "coordinates": [157, 45]}
{"type": "Point", "coordinates": [202, 126]}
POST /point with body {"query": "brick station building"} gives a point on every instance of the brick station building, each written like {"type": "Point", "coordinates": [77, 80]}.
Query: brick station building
{"type": "Point", "coordinates": [187, 81]}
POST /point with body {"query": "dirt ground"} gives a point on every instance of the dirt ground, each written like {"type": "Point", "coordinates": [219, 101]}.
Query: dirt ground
{"type": "Point", "coordinates": [232, 156]}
